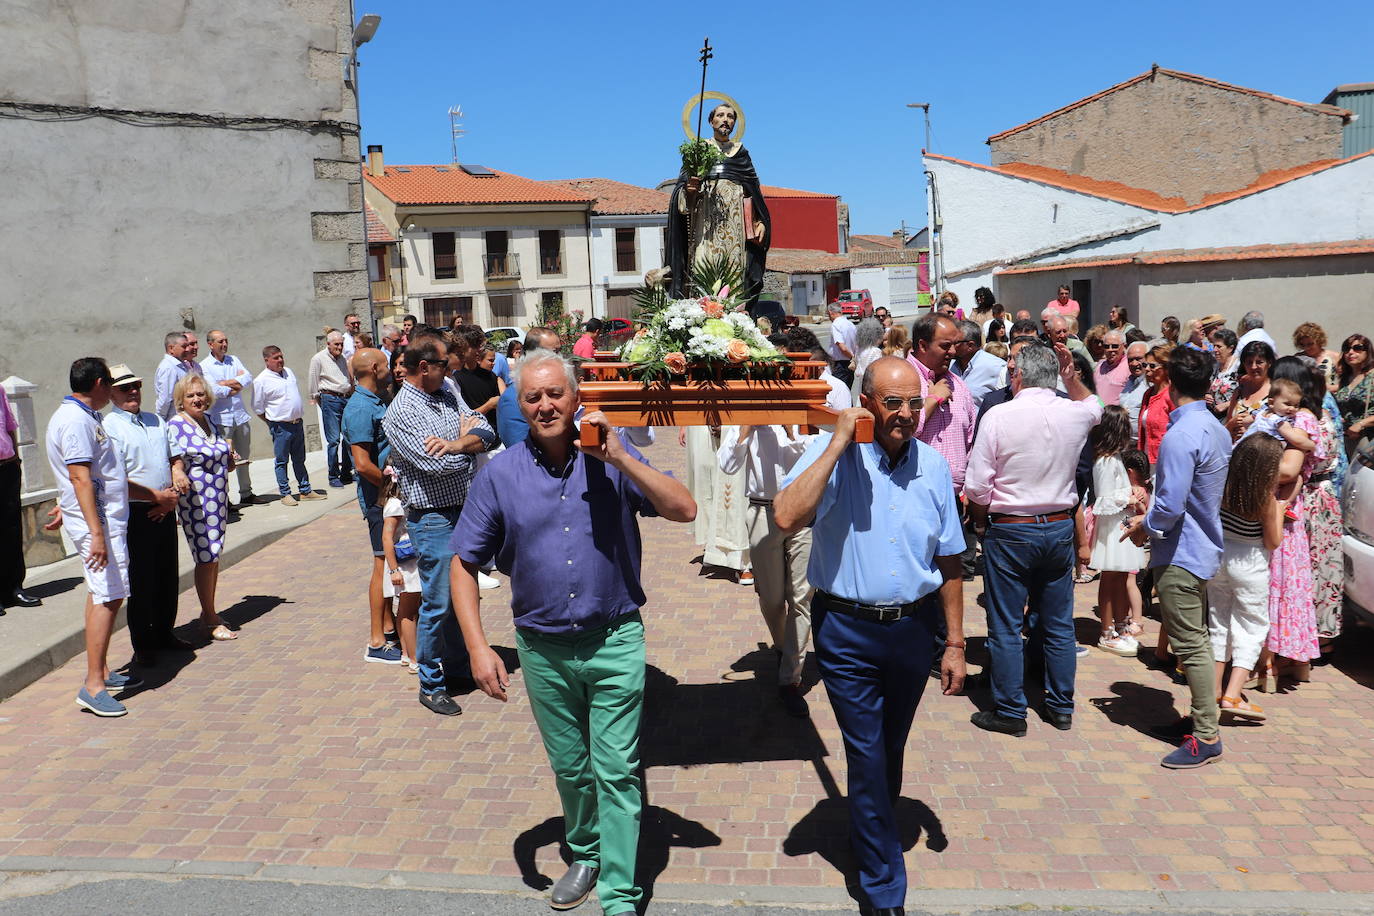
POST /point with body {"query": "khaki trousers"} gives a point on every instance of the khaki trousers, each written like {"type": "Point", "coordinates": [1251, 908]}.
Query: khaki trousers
{"type": "Point", "coordinates": [1183, 605]}
{"type": "Point", "coordinates": [780, 582]}
{"type": "Point", "coordinates": [241, 440]}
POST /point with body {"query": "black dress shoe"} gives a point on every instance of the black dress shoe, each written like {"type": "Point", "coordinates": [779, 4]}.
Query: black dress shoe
{"type": "Point", "coordinates": [1060, 720]}
{"type": "Point", "coordinates": [440, 702]}
{"type": "Point", "coordinates": [793, 701]}
{"type": "Point", "coordinates": [888, 911]}
{"type": "Point", "coordinates": [992, 722]}
{"type": "Point", "coordinates": [577, 882]}
{"type": "Point", "coordinates": [21, 598]}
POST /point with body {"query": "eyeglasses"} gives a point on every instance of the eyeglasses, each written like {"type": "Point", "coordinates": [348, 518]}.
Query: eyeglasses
{"type": "Point", "coordinates": [134, 386]}
{"type": "Point", "coordinates": [1107, 346]}
{"type": "Point", "coordinates": [1152, 365]}
{"type": "Point", "coordinates": [896, 404]}
{"type": "Point", "coordinates": [1358, 348]}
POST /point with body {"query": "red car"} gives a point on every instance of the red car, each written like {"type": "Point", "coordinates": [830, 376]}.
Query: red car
{"type": "Point", "coordinates": [857, 304]}
{"type": "Point", "coordinates": [619, 329]}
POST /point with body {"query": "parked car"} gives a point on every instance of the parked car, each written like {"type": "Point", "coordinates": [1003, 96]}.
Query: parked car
{"type": "Point", "coordinates": [1357, 510]}
{"type": "Point", "coordinates": [499, 336]}
{"type": "Point", "coordinates": [857, 304]}
{"type": "Point", "coordinates": [772, 310]}
{"type": "Point", "coordinates": [618, 330]}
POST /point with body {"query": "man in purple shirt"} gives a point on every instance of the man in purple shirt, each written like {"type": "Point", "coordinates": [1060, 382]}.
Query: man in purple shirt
{"type": "Point", "coordinates": [1184, 528]}
{"type": "Point", "coordinates": [560, 521]}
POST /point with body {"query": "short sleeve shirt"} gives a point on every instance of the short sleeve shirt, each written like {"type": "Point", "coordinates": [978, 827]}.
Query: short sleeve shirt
{"type": "Point", "coordinates": [362, 425]}
{"type": "Point", "coordinates": [75, 436]}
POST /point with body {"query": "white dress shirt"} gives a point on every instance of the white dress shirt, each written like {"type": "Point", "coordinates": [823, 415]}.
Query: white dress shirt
{"type": "Point", "coordinates": [842, 330]}
{"type": "Point", "coordinates": [277, 397]}
{"type": "Point", "coordinates": [839, 397]}
{"type": "Point", "coordinates": [1256, 334]}
{"type": "Point", "coordinates": [169, 372]}
{"type": "Point", "coordinates": [770, 452]}
{"type": "Point", "coordinates": [227, 411]}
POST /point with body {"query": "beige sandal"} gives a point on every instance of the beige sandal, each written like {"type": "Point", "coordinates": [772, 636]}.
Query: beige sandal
{"type": "Point", "coordinates": [1242, 709]}
{"type": "Point", "coordinates": [221, 633]}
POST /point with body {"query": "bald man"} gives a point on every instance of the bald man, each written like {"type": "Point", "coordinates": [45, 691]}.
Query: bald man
{"type": "Point", "coordinates": [885, 565]}
{"type": "Point", "coordinates": [366, 440]}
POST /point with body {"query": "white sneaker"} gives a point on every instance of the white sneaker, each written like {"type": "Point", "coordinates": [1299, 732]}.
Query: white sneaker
{"type": "Point", "coordinates": [485, 581]}
{"type": "Point", "coordinates": [1124, 646]}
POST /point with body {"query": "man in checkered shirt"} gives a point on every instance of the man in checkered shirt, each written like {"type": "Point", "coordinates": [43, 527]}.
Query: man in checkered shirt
{"type": "Point", "coordinates": [433, 437]}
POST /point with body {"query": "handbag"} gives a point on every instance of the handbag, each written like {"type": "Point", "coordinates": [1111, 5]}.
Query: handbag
{"type": "Point", "coordinates": [404, 549]}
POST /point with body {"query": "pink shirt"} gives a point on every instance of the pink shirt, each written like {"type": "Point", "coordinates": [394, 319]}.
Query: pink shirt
{"type": "Point", "coordinates": [1027, 452]}
{"type": "Point", "coordinates": [1111, 379]}
{"type": "Point", "coordinates": [585, 347]}
{"type": "Point", "coordinates": [8, 424]}
{"type": "Point", "coordinates": [949, 430]}
{"type": "Point", "coordinates": [1068, 309]}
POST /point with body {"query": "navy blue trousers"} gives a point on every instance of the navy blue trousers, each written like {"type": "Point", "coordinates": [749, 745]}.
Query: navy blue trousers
{"type": "Point", "coordinates": [875, 674]}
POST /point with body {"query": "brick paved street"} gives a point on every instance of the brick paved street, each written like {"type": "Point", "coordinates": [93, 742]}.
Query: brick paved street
{"type": "Point", "coordinates": [284, 748]}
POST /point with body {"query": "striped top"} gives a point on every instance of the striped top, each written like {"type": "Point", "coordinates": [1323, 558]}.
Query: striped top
{"type": "Point", "coordinates": [1241, 529]}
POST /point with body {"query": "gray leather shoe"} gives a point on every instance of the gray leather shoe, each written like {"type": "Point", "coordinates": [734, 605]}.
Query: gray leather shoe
{"type": "Point", "coordinates": [573, 887]}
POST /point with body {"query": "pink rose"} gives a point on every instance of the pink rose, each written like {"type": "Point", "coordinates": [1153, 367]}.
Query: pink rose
{"type": "Point", "coordinates": [676, 363]}
{"type": "Point", "coordinates": [737, 351]}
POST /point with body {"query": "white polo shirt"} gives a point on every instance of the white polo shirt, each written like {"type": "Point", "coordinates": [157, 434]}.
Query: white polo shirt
{"type": "Point", "coordinates": [76, 435]}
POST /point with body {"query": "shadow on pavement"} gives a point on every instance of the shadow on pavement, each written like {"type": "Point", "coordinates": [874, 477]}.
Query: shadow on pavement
{"type": "Point", "coordinates": [1354, 654]}
{"type": "Point", "coordinates": [1137, 706]}
{"type": "Point", "coordinates": [55, 587]}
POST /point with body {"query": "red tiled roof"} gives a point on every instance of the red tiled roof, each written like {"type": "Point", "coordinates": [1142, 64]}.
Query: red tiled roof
{"type": "Point", "coordinates": [377, 233]}
{"type": "Point", "coordinates": [1196, 255]}
{"type": "Point", "coordinates": [873, 241]}
{"type": "Point", "coordinates": [805, 261]}
{"type": "Point", "coordinates": [1178, 74]}
{"type": "Point", "coordinates": [446, 184]}
{"type": "Point", "coordinates": [773, 191]}
{"type": "Point", "coordinates": [617, 197]}
{"type": "Point", "coordinates": [1139, 197]}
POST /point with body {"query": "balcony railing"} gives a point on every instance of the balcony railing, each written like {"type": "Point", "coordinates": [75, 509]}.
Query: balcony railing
{"type": "Point", "coordinates": [550, 264]}
{"type": "Point", "coordinates": [503, 266]}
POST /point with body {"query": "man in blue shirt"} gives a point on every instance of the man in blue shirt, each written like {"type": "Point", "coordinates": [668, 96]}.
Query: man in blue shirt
{"type": "Point", "coordinates": [1184, 529]}
{"type": "Point", "coordinates": [560, 521]}
{"type": "Point", "coordinates": [366, 441]}
{"type": "Point", "coordinates": [510, 422]}
{"type": "Point", "coordinates": [886, 540]}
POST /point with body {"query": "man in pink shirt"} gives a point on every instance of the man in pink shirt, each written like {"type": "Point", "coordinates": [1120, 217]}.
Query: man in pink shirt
{"type": "Point", "coordinates": [950, 413]}
{"type": "Point", "coordinates": [1066, 305]}
{"type": "Point", "coordinates": [1021, 493]}
{"type": "Point", "coordinates": [1114, 370]}
{"type": "Point", "coordinates": [585, 348]}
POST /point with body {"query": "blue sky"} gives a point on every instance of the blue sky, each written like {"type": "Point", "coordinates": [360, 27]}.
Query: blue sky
{"type": "Point", "coordinates": [575, 90]}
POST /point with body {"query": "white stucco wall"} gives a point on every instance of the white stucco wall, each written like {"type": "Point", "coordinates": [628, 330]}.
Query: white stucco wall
{"type": "Point", "coordinates": [113, 229]}
{"type": "Point", "coordinates": [649, 243]}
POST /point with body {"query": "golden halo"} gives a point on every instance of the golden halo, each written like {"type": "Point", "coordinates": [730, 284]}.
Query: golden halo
{"type": "Point", "coordinates": [695, 100]}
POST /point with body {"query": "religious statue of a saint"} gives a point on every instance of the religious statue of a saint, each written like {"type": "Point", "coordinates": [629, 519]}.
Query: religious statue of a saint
{"type": "Point", "coordinates": [723, 213]}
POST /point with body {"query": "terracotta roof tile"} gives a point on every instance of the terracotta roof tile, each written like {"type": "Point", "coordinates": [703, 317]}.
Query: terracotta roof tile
{"type": "Point", "coordinates": [870, 242]}
{"type": "Point", "coordinates": [1198, 255]}
{"type": "Point", "coordinates": [446, 184]}
{"type": "Point", "coordinates": [377, 233]}
{"type": "Point", "coordinates": [1139, 197]}
{"type": "Point", "coordinates": [616, 197]}
{"type": "Point", "coordinates": [805, 261]}
{"type": "Point", "coordinates": [1178, 74]}
{"type": "Point", "coordinates": [774, 191]}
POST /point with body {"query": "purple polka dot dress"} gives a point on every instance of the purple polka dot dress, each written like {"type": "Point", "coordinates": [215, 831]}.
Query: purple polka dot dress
{"type": "Point", "coordinates": [202, 511]}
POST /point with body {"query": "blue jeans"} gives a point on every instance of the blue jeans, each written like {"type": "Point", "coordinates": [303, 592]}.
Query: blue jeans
{"type": "Point", "coordinates": [875, 674]}
{"type": "Point", "coordinates": [1030, 561]}
{"type": "Point", "coordinates": [438, 641]}
{"type": "Point", "coordinates": [331, 412]}
{"type": "Point", "coordinates": [288, 441]}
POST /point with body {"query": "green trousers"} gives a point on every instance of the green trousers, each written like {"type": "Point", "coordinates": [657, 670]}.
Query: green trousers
{"type": "Point", "coordinates": [587, 693]}
{"type": "Point", "coordinates": [1183, 605]}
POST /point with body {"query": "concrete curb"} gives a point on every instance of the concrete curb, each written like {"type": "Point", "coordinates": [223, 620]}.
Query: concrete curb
{"type": "Point", "coordinates": [61, 636]}
{"type": "Point", "coordinates": [1222, 903]}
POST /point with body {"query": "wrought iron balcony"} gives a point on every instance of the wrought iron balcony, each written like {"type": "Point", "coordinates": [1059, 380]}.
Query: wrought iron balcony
{"type": "Point", "coordinates": [503, 266]}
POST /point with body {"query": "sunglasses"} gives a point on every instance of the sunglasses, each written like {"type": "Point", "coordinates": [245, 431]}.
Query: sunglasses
{"type": "Point", "coordinates": [1358, 348]}
{"type": "Point", "coordinates": [895, 404]}
{"type": "Point", "coordinates": [136, 386]}
{"type": "Point", "coordinates": [1152, 365]}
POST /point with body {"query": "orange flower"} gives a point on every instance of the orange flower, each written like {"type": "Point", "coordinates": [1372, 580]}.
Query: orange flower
{"type": "Point", "coordinates": [642, 332]}
{"type": "Point", "coordinates": [713, 309]}
{"type": "Point", "coordinates": [737, 351]}
{"type": "Point", "coordinates": [676, 363]}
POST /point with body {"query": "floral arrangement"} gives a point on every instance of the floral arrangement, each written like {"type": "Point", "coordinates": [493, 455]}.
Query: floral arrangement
{"type": "Point", "coordinates": [713, 332]}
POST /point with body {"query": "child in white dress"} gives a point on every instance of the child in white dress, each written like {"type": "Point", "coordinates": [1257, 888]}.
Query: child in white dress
{"type": "Point", "coordinates": [402, 579]}
{"type": "Point", "coordinates": [1114, 558]}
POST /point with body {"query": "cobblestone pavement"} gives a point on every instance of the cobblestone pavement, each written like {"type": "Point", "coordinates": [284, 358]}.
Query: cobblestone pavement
{"type": "Point", "coordinates": [285, 749]}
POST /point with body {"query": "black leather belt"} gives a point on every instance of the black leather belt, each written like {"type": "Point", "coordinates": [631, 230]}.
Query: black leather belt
{"type": "Point", "coordinates": [998, 518]}
{"type": "Point", "coordinates": [877, 613]}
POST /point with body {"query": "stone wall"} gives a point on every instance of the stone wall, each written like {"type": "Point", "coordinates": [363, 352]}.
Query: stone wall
{"type": "Point", "coordinates": [1177, 137]}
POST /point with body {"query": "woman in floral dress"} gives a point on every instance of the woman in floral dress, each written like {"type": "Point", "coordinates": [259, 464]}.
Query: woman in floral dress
{"type": "Point", "coordinates": [206, 458]}
{"type": "Point", "coordinates": [1292, 641]}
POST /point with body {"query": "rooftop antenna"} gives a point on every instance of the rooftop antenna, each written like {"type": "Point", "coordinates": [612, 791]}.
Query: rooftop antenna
{"type": "Point", "coordinates": [455, 126]}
